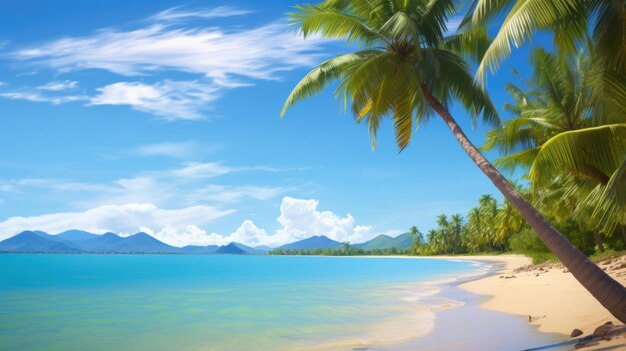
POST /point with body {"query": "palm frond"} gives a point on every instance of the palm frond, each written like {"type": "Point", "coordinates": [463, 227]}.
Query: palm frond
{"type": "Point", "coordinates": [471, 44]}
{"type": "Point", "coordinates": [593, 152]}
{"type": "Point", "coordinates": [333, 23]}
{"type": "Point", "coordinates": [524, 18]}
{"type": "Point", "coordinates": [454, 77]}
{"type": "Point", "coordinates": [316, 80]}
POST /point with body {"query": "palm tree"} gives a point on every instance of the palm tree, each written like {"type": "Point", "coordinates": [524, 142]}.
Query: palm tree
{"type": "Point", "coordinates": [599, 26]}
{"type": "Point", "coordinates": [409, 68]}
{"type": "Point", "coordinates": [417, 240]}
{"type": "Point", "coordinates": [559, 101]}
{"type": "Point", "coordinates": [346, 248]}
{"type": "Point", "coordinates": [475, 231]}
{"type": "Point", "coordinates": [443, 227]}
{"type": "Point", "coordinates": [571, 21]}
{"type": "Point", "coordinates": [597, 154]}
{"type": "Point", "coordinates": [456, 223]}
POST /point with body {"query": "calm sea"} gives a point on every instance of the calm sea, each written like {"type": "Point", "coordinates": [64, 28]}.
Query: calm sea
{"type": "Point", "coordinates": [214, 302]}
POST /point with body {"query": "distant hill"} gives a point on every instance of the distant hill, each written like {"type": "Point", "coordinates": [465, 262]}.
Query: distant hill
{"type": "Point", "coordinates": [37, 242]}
{"type": "Point", "coordinates": [314, 242]}
{"type": "Point", "coordinates": [252, 250]}
{"type": "Point", "coordinates": [84, 242]}
{"type": "Point", "coordinates": [403, 241]}
{"type": "Point", "coordinates": [195, 249]}
{"type": "Point", "coordinates": [78, 241]}
{"type": "Point", "coordinates": [231, 249]}
{"type": "Point", "coordinates": [142, 242]}
{"type": "Point", "coordinates": [76, 235]}
{"type": "Point", "coordinates": [105, 243]}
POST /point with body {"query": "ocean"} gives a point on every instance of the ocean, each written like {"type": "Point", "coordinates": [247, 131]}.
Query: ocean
{"type": "Point", "coordinates": [218, 302]}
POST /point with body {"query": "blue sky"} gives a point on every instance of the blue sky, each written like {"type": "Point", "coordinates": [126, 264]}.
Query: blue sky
{"type": "Point", "coordinates": [163, 116]}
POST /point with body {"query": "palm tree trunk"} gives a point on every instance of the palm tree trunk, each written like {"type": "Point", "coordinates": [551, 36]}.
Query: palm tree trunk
{"type": "Point", "coordinates": [598, 239]}
{"type": "Point", "coordinates": [610, 293]}
{"type": "Point", "coordinates": [623, 233]}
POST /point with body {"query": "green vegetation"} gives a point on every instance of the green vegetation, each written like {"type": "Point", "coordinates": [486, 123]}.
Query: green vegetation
{"type": "Point", "coordinates": [568, 132]}
{"type": "Point", "coordinates": [350, 251]}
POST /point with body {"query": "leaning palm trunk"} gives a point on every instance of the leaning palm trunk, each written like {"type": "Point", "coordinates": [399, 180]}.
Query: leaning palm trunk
{"type": "Point", "coordinates": [610, 293]}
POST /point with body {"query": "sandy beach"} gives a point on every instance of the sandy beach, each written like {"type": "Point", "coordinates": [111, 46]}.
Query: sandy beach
{"type": "Point", "coordinates": [549, 295]}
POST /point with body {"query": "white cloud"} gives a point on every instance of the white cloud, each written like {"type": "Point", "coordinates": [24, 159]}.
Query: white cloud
{"type": "Point", "coordinates": [128, 218]}
{"type": "Point", "coordinates": [59, 86]}
{"type": "Point", "coordinates": [299, 219]}
{"type": "Point", "coordinates": [177, 13]}
{"type": "Point", "coordinates": [171, 100]}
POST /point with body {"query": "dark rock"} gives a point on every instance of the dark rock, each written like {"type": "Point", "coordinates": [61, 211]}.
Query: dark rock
{"type": "Point", "coordinates": [575, 333]}
{"type": "Point", "coordinates": [603, 330]}
{"type": "Point", "coordinates": [580, 345]}
{"type": "Point", "coordinates": [566, 271]}
{"type": "Point", "coordinates": [609, 323]}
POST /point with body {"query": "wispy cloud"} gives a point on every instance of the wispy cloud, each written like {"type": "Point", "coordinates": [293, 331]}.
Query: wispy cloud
{"type": "Point", "coordinates": [220, 58]}
{"type": "Point", "coordinates": [187, 184]}
{"type": "Point", "coordinates": [179, 13]}
{"type": "Point", "coordinates": [219, 53]}
{"type": "Point", "coordinates": [35, 96]}
{"type": "Point", "coordinates": [228, 194]}
{"type": "Point", "coordinates": [202, 170]}
{"type": "Point", "coordinates": [59, 85]}
{"type": "Point", "coordinates": [181, 150]}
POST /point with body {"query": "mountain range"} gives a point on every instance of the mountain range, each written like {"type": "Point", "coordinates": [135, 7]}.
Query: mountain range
{"type": "Point", "coordinates": [77, 241]}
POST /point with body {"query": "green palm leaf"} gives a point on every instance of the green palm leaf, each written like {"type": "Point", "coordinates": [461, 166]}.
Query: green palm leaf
{"type": "Point", "coordinates": [593, 152]}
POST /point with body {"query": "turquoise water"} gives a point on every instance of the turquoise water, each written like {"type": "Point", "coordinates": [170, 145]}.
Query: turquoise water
{"type": "Point", "coordinates": [207, 302]}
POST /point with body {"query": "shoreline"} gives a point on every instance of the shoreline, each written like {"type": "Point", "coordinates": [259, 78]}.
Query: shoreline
{"type": "Point", "coordinates": [549, 296]}
{"type": "Point", "coordinates": [457, 319]}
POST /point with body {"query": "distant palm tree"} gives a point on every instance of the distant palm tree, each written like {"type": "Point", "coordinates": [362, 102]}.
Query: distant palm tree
{"type": "Point", "coordinates": [346, 247]}
{"type": "Point", "coordinates": [456, 223]}
{"type": "Point", "coordinates": [408, 69]}
{"type": "Point", "coordinates": [417, 240]}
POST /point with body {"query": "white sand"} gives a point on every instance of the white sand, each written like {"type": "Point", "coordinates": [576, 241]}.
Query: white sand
{"type": "Point", "coordinates": [556, 302]}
